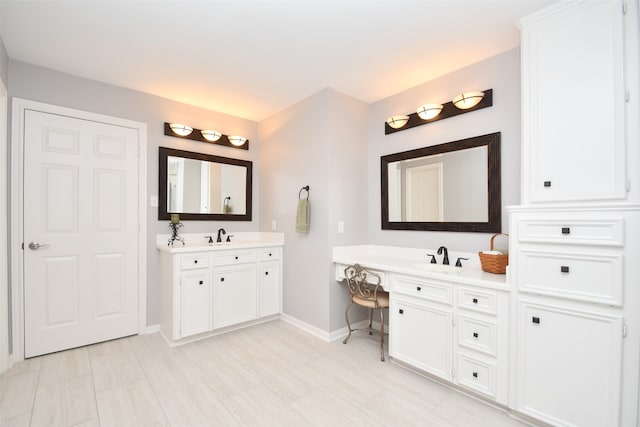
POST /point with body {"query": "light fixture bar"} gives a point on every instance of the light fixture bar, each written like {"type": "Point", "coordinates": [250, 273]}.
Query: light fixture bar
{"type": "Point", "coordinates": [448, 110]}
{"type": "Point", "coordinates": [197, 135]}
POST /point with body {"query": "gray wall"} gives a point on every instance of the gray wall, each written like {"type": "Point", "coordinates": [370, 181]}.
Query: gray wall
{"type": "Point", "coordinates": [43, 85]}
{"type": "Point", "coordinates": [4, 59]}
{"type": "Point", "coordinates": [4, 65]}
{"type": "Point", "coordinates": [320, 142]}
{"type": "Point", "coordinates": [500, 73]}
{"type": "Point", "coordinates": [329, 141]}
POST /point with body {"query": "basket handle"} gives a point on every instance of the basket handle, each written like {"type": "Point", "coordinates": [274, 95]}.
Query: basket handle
{"type": "Point", "coordinates": [495, 235]}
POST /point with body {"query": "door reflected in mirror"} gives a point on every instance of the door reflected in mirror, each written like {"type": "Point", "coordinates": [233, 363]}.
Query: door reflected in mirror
{"type": "Point", "coordinates": [203, 187]}
{"type": "Point", "coordinates": [447, 187]}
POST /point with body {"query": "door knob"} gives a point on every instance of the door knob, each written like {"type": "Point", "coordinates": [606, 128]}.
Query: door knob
{"type": "Point", "coordinates": [35, 245]}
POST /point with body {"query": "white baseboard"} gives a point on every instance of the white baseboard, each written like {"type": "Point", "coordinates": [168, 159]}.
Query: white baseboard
{"type": "Point", "coordinates": [152, 329]}
{"type": "Point", "coordinates": [321, 333]}
{"type": "Point", "coordinates": [308, 328]}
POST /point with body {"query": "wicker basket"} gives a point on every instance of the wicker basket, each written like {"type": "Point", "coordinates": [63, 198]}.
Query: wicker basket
{"type": "Point", "coordinates": [496, 264]}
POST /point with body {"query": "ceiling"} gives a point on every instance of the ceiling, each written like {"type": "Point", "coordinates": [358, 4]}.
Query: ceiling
{"type": "Point", "coordinates": [252, 59]}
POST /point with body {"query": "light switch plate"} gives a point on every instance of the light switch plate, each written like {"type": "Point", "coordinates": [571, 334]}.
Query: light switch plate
{"type": "Point", "coordinates": [153, 201]}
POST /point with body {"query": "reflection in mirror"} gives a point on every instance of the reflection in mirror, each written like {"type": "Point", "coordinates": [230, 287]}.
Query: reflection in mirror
{"type": "Point", "coordinates": [198, 186]}
{"type": "Point", "coordinates": [204, 187]}
{"type": "Point", "coordinates": [447, 187]}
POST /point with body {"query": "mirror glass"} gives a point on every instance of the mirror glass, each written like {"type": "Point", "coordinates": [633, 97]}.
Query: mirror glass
{"type": "Point", "coordinates": [204, 187]}
{"type": "Point", "coordinates": [447, 187]}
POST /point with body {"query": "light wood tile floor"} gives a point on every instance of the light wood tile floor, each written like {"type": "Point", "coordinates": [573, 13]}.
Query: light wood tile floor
{"type": "Point", "coordinates": [266, 375]}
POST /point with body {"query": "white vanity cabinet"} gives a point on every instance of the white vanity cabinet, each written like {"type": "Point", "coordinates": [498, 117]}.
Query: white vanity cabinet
{"type": "Point", "coordinates": [206, 291]}
{"type": "Point", "coordinates": [269, 281]}
{"type": "Point", "coordinates": [195, 296]}
{"type": "Point", "coordinates": [482, 341]}
{"type": "Point", "coordinates": [421, 324]}
{"type": "Point", "coordinates": [573, 88]}
{"type": "Point", "coordinates": [457, 332]}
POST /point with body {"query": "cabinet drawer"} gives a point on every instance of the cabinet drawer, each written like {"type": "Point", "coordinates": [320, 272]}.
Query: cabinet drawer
{"type": "Point", "coordinates": [480, 300]}
{"type": "Point", "coordinates": [600, 232]}
{"type": "Point", "coordinates": [587, 277]}
{"type": "Point", "coordinates": [236, 257]}
{"type": "Point", "coordinates": [477, 334]}
{"type": "Point", "coordinates": [479, 376]}
{"type": "Point", "coordinates": [269, 254]}
{"type": "Point", "coordinates": [191, 261]}
{"type": "Point", "coordinates": [423, 288]}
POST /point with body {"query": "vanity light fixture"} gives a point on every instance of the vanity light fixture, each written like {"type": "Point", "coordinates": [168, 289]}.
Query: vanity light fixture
{"type": "Point", "coordinates": [236, 140]}
{"type": "Point", "coordinates": [467, 100]}
{"type": "Point", "coordinates": [207, 135]}
{"type": "Point", "coordinates": [429, 111]}
{"type": "Point", "coordinates": [180, 129]}
{"type": "Point", "coordinates": [211, 135]}
{"type": "Point", "coordinates": [397, 122]}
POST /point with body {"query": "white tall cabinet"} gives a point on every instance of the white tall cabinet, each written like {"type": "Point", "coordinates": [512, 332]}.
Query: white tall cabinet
{"type": "Point", "coordinates": [574, 241]}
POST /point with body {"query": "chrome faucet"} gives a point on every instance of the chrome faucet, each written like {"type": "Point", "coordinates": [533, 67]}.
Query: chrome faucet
{"type": "Point", "coordinates": [219, 239]}
{"type": "Point", "coordinates": [445, 259]}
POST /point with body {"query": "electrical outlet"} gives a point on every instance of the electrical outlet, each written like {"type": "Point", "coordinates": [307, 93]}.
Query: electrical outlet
{"type": "Point", "coordinates": [273, 225]}
{"type": "Point", "coordinates": [153, 201]}
{"type": "Point", "coordinates": [340, 227]}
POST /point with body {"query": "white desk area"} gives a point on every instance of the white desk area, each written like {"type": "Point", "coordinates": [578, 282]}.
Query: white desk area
{"type": "Point", "coordinates": [447, 322]}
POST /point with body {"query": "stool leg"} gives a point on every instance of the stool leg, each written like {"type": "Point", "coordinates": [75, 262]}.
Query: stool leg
{"type": "Point", "coordinates": [346, 316]}
{"type": "Point", "coordinates": [370, 321]}
{"type": "Point", "coordinates": [382, 334]}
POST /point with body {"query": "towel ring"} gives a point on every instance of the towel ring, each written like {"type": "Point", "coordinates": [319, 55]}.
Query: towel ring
{"type": "Point", "coordinates": [306, 188]}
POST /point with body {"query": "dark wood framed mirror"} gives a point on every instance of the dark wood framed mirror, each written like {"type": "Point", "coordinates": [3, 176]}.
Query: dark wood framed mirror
{"type": "Point", "coordinates": [204, 187]}
{"type": "Point", "coordinates": [447, 187]}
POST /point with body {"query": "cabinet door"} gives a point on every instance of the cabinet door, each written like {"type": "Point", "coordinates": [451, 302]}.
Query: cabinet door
{"type": "Point", "coordinates": [568, 365]}
{"type": "Point", "coordinates": [269, 289]}
{"type": "Point", "coordinates": [573, 103]}
{"type": "Point", "coordinates": [422, 336]}
{"type": "Point", "coordinates": [234, 295]}
{"type": "Point", "coordinates": [195, 303]}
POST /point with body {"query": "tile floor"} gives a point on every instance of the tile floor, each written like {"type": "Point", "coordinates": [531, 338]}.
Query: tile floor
{"type": "Point", "coordinates": [266, 375]}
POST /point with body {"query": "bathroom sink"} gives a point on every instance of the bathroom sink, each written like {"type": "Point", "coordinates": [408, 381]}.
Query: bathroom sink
{"type": "Point", "coordinates": [439, 268]}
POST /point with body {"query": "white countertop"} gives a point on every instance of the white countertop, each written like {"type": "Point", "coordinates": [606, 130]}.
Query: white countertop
{"type": "Point", "coordinates": [197, 242]}
{"type": "Point", "coordinates": [415, 262]}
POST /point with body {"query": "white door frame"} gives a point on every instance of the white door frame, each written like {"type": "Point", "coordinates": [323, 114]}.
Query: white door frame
{"type": "Point", "coordinates": [17, 233]}
{"type": "Point", "coordinates": [4, 254]}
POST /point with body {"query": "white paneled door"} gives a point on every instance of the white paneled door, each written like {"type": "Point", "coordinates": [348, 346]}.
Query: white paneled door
{"type": "Point", "coordinates": [80, 232]}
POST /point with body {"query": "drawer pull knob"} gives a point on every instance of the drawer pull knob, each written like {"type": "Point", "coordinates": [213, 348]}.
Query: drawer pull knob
{"type": "Point", "coordinates": [222, 279]}
{"type": "Point", "coordinates": [566, 230]}
{"type": "Point", "coordinates": [475, 375]}
{"type": "Point", "coordinates": [269, 253]}
{"type": "Point", "coordinates": [547, 183]}
{"type": "Point", "coordinates": [195, 261]}
{"type": "Point", "coordinates": [236, 257]}
{"type": "Point", "coordinates": [475, 335]}
{"type": "Point", "coordinates": [266, 273]}
{"type": "Point", "coordinates": [418, 288]}
{"type": "Point", "coordinates": [401, 311]}
{"type": "Point", "coordinates": [564, 269]}
{"type": "Point", "coordinates": [475, 300]}
{"type": "Point", "coordinates": [200, 282]}
{"type": "Point", "coordinates": [535, 320]}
